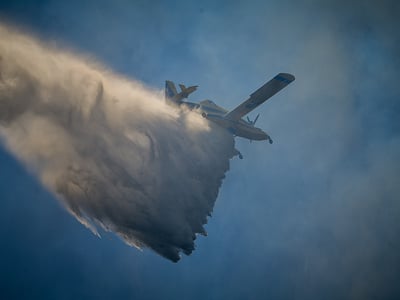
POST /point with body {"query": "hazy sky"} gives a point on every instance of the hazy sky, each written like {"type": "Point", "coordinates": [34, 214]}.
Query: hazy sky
{"type": "Point", "coordinates": [315, 215]}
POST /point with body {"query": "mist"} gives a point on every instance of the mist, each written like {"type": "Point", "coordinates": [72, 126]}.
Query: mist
{"type": "Point", "coordinates": [109, 148]}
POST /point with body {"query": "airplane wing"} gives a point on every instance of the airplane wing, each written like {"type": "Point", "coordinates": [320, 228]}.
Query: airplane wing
{"type": "Point", "coordinates": [261, 95]}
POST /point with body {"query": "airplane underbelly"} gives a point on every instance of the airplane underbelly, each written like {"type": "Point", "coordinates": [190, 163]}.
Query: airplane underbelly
{"type": "Point", "coordinates": [254, 134]}
{"type": "Point", "coordinates": [239, 129]}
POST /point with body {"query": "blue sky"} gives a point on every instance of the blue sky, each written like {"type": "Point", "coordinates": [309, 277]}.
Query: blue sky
{"type": "Point", "coordinates": [315, 215]}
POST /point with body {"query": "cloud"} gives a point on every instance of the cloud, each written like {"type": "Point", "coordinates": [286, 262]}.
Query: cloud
{"type": "Point", "coordinates": [116, 155]}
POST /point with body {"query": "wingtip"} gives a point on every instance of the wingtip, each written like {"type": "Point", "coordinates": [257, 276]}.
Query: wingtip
{"type": "Point", "coordinates": [287, 76]}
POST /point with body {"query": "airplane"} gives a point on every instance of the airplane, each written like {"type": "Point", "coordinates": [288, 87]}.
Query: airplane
{"type": "Point", "coordinates": [231, 120]}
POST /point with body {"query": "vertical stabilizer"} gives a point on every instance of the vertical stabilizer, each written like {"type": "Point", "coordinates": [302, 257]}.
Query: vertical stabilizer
{"type": "Point", "coordinates": [170, 90]}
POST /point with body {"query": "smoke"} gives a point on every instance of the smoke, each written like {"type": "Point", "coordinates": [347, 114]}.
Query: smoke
{"type": "Point", "coordinates": [116, 155]}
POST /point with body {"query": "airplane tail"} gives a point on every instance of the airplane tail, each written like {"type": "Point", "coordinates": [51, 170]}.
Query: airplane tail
{"type": "Point", "coordinates": [173, 96]}
{"type": "Point", "coordinates": [170, 90]}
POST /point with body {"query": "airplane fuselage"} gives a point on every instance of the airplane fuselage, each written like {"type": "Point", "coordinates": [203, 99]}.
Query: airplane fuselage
{"type": "Point", "coordinates": [215, 113]}
{"type": "Point", "coordinates": [239, 128]}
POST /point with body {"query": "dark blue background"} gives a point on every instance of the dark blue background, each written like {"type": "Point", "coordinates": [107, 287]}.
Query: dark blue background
{"type": "Point", "coordinates": [315, 215]}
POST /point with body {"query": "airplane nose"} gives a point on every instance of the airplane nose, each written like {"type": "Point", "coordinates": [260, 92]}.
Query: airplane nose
{"type": "Point", "coordinates": [264, 136]}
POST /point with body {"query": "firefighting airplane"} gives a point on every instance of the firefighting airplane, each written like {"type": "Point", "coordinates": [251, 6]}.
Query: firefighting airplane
{"type": "Point", "coordinates": [232, 120]}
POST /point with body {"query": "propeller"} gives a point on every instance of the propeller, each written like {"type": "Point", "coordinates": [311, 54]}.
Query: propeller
{"type": "Point", "coordinates": [254, 121]}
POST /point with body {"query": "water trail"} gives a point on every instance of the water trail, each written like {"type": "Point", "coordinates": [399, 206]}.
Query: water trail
{"type": "Point", "coordinates": [115, 154]}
